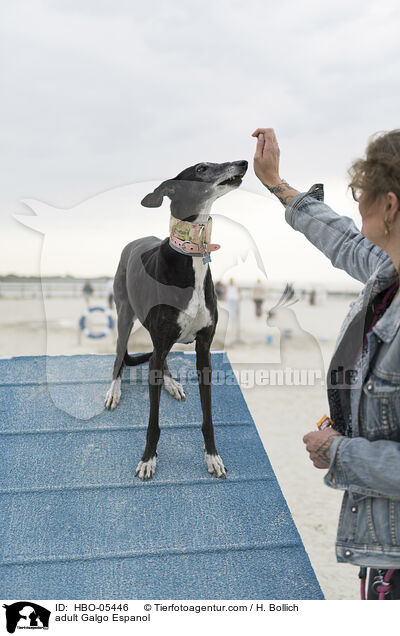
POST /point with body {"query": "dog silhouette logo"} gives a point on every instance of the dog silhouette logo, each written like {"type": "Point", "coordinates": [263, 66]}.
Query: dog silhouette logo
{"type": "Point", "coordinates": [26, 615]}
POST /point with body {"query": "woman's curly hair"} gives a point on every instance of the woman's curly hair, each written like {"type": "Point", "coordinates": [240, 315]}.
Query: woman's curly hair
{"type": "Point", "coordinates": [379, 172]}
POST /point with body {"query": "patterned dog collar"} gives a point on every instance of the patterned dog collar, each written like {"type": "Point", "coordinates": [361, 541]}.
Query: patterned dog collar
{"type": "Point", "coordinates": [192, 239]}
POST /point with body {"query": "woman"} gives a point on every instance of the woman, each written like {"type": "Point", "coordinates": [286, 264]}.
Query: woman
{"type": "Point", "coordinates": [362, 448]}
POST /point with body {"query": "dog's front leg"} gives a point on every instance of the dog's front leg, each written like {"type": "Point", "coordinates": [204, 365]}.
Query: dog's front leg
{"type": "Point", "coordinates": [214, 462]}
{"type": "Point", "coordinates": [147, 465]}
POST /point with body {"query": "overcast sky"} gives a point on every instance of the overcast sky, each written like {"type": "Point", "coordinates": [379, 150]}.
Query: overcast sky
{"type": "Point", "coordinates": [98, 94]}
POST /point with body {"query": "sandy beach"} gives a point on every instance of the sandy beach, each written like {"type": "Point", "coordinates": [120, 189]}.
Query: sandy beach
{"type": "Point", "coordinates": [299, 340]}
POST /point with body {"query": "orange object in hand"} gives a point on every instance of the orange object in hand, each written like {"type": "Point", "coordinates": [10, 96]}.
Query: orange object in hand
{"type": "Point", "coordinates": [324, 422]}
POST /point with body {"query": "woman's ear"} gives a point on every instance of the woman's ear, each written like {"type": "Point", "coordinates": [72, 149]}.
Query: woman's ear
{"type": "Point", "coordinates": [155, 199]}
{"type": "Point", "coordinates": [393, 203]}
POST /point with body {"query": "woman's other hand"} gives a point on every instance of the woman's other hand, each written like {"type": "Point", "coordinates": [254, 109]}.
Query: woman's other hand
{"type": "Point", "coordinates": [318, 444]}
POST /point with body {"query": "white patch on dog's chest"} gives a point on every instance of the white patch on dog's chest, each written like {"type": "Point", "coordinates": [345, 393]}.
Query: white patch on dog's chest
{"type": "Point", "coordinates": [196, 316]}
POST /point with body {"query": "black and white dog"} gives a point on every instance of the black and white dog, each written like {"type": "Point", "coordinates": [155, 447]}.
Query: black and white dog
{"type": "Point", "coordinates": [167, 285]}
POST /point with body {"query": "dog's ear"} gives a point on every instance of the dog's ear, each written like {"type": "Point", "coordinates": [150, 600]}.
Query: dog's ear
{"type": "Point", "coordinates": [155, 199]}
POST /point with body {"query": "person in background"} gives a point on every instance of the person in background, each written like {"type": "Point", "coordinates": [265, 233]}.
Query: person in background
{"type": "Point", "coordinates": [360, 446]}
{"type": "Point", "coordinates": [232, 298]}
{"type": "Point", "coordinates": [87, 291]}
{"type": "Point", "coordinates": [110, 293]}
{"type": "Point", "coordinates": [220, 290]}
{"type": "Point", "coordinates": [259, 294]}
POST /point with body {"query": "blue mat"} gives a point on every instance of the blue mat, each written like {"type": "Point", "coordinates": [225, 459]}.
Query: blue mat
{"type": "Point", "coordinates": [76, 524]}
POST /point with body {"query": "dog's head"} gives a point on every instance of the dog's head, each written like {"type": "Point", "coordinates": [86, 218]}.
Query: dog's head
{"type": "Point", "coordinates": [197, 187]}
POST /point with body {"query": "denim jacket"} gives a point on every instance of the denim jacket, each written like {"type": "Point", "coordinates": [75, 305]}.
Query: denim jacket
{"type": "Point", "coordinates": [367, 464]}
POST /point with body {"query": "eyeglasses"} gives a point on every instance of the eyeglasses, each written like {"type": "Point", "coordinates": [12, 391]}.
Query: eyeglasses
{"type": "Point", "coordinates": [356, 192]}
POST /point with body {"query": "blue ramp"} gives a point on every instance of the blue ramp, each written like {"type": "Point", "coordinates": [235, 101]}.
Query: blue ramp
{"type": "Point", "coordinates": [76, 524]}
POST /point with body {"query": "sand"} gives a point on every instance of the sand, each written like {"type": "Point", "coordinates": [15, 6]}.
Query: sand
{"type": "Point", "coordinates": [282, 413]}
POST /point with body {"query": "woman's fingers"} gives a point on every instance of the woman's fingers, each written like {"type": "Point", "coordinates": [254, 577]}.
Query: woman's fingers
{"type": "Point", "coordinates": [269, 141]}
{"type": "Point", "coordinates": [265, 131]}
{"type": "Point", "coordinates": [259, 147]}
{"type": "Point", "coordinates": [266, 158]}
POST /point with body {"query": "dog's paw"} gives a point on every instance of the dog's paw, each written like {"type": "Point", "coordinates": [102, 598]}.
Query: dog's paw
{"type": "Point", "coordinates": [146, 470]}
{"type": "Point", "coordinates": [215, 466]}
{"type": "Point", "coordinates": [113, 394]}
{"type": "Point", "coordinates": [174, 388]}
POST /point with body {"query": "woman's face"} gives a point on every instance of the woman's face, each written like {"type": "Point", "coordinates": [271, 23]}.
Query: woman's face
{"type": "Point", "coordinates": [372, 216]}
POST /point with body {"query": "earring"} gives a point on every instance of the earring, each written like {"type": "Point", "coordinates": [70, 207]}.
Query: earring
{"type": "Point", "coordinates": [387, 225]}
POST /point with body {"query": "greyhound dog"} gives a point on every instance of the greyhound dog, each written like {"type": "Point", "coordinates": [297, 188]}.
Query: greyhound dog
{"type": "Point", "coordinates": [167, 285]}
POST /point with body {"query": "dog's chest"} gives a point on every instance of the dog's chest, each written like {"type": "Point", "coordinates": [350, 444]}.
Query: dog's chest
{"type": "Point", "coordinates": [196, 316]}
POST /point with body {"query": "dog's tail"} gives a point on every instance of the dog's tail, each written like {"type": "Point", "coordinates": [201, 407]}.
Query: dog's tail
{"type": "Point", "coordinates": [132, 361]}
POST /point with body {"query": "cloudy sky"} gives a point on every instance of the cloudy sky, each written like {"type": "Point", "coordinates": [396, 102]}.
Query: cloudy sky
{"type": "Point", "coordinates": [99, 94]}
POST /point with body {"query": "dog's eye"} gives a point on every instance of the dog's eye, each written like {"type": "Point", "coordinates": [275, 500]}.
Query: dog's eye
{"type": "Point", "coordinates": [201, 168]}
